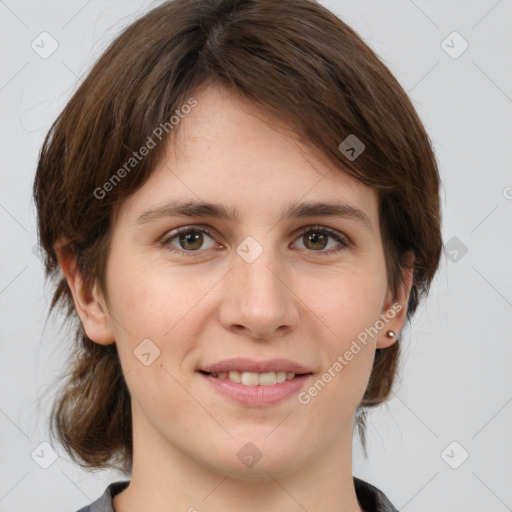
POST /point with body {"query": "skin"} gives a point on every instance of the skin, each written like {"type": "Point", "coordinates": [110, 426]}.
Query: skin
{"type": "Point", "coordinates": [292, 302]}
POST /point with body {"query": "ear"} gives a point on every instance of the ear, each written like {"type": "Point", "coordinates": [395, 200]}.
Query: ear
{"type": "Point", "coordinates": [395, 308]}
{"type": "Point", "coordinates": [89, 303]}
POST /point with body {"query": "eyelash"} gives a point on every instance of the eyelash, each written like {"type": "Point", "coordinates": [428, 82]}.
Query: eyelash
{"type": "Point", "coordinates": [342, 239]}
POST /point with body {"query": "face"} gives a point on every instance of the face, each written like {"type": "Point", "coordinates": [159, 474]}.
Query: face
{"type": "Point", "coordinates": [279, 289]}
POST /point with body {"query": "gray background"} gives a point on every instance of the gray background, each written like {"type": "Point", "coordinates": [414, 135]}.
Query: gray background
{"type": "Point", "coordinates": [455, 383]}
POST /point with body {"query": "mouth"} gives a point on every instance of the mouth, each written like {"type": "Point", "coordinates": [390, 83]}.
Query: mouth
{"type": "Point", "coordinates": [253, 389]}
{"type": "Point", "coordinates": [255, 382]}
{"type": "Point", "coordinates": [254, 378]}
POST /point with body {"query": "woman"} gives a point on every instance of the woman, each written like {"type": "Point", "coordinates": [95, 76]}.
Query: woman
{"type": "Point", "coordinates": [240, 209]}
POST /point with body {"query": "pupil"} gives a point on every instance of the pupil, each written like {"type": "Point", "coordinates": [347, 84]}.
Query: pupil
{"type": "Point", "coordinates": [314, 238]}
{"type": "Point", "coordinates": [191, 238]}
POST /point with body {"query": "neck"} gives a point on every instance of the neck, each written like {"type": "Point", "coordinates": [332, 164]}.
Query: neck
{"type": "Point", "coordinates": [166, 479]}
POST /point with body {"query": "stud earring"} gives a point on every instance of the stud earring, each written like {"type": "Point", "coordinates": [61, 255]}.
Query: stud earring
{"type": "Point", "coordinates": [390, 334]}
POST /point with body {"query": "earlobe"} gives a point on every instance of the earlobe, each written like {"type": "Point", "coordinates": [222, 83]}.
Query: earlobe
{"type": "Point", "coordinates": [394, 312]}
{"type": "Point", "coordinates": [89, 303]}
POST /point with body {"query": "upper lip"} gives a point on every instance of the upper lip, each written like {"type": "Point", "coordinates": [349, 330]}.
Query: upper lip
{"type": "Point", "coordinates": [251, 365]}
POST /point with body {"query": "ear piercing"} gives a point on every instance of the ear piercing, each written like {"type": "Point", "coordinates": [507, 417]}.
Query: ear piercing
{"type": "Point", "coordinates": [390, 334]}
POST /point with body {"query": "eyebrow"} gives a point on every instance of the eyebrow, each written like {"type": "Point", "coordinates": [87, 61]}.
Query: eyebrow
{"type": "Point", "coordinates": [219, 211]}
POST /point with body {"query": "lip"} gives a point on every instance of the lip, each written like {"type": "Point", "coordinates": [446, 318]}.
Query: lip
{"type": "Point", "coordinates": [252, 365]}
{"type": "Point", "coordinates": [257, 396]}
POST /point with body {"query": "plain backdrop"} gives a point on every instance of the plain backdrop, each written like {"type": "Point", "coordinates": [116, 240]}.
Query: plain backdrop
{"type": "Point", "coordinates": [443, 441]}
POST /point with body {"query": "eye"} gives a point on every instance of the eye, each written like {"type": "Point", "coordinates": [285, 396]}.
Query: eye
{"type": "Point", "coordinates": [316, 239]}
{"type": "Point", "coordinates": [188, 240]}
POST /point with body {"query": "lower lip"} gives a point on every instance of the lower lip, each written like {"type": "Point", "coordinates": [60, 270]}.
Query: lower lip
{"type": "Point", "coordinates": [255, 396]}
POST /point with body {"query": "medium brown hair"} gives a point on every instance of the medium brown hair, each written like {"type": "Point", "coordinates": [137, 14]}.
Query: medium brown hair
{"type": "Point", "coordinates": [294, 59]}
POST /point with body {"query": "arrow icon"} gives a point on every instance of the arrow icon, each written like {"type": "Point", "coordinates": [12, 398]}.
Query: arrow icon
{"type": "Point", "coordinates": [352, 146]}
{"type": "Point", "coordinates": [454, 45]}
{"type": "Point", "coordinates": [249, 455]}
{"type": "Point", "coordinates": [146, 352]}
{"type": "Point", "coordinates": [455, 249]}
{"type": "Point", "coordinates": [249, 249]}
{"type": "Point", "coordinates": [454, 455]}
{"type": "Point", "coordinates": [44, 455]}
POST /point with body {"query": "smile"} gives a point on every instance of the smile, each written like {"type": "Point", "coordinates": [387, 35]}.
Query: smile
{"type": "Point", "coordinates": [253, 378]}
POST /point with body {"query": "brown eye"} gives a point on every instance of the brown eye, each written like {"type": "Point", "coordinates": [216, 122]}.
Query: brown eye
{"type": "Point", "coordinates": [189, 240]}
{"type": "Point", "coordinates": [316, 239]}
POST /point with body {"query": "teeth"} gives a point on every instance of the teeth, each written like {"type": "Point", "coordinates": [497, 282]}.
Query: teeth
{"type": "Point", "coordinates": [267, 379]}
{"type": "Point", "coordinates": [235, 376]}
{"type": "Point", "coordinates": [250, 379]}
{"type": "Point", "coordinates": [255, 379]}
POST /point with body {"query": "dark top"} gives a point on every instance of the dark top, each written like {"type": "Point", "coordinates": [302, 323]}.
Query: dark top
{"type": "Point", "coordinates": [370, 498]}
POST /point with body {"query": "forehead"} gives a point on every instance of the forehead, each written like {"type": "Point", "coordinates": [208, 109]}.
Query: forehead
{"type": "Point", "coordinates": [228, 151]}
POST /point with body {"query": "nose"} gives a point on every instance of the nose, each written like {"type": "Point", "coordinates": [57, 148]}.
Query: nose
{"type": "Point", "coordinates": [258, 302]}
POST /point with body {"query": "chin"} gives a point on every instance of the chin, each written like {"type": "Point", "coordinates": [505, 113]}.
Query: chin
{"type": "Point", "coordinates": [256, 461]}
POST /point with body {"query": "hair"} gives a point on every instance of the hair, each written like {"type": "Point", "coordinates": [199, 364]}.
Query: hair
{"type": "Point", "coordinates": [297, 61]}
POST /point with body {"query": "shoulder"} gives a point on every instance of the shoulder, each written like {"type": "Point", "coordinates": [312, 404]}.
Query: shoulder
{"type": "Point", "coordinates": [371, 498]}
{"type": "Point", "coordinates": [104, 502]}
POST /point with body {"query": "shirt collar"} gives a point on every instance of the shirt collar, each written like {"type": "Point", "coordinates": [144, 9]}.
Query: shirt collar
{"type": "Point", "coordinates": [370, 498]}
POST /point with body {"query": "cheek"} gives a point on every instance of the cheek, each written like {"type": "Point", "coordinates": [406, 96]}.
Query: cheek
{"type": "Point", "coordinates": [162, 303]}
{"type": "Point", "coordinates": [347, 302]}
{"type": "Point", "coordinates": [348, 306]}
{"type": "Point", "coordinates": [148, 295]}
